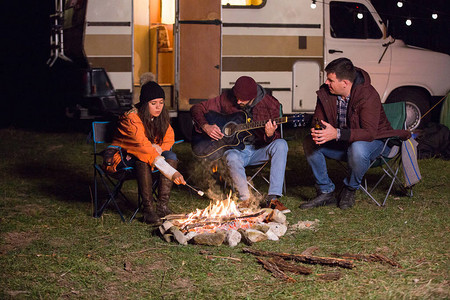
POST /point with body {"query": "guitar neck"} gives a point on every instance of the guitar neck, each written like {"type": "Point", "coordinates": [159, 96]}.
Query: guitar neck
{"type": "Point", "coordinates": [259, 124]}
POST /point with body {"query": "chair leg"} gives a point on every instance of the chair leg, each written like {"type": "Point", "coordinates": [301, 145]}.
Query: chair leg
{"type": "Point", "coordinates": [112, 198]}
{"type": "Point", "coordinates": [139, 205]}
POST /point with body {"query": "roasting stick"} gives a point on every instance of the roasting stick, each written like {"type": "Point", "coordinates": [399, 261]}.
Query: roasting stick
{"type": "Point", "coordinates": [197, 191]}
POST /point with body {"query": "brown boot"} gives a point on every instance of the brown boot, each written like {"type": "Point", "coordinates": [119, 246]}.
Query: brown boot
{"type": "Point", "coordinates": [144, 179]}
{"type": "Point", "coordinates": [165, 186]}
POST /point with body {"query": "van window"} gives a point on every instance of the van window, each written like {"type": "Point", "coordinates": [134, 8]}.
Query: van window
{"type": "Point", "coordinates": [349, 20]}
{"type": "Point", "coordinates": [243, 3]}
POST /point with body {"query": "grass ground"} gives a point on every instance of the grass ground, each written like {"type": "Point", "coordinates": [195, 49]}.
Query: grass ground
{"type": "Point", "coordinates": [52, 248]}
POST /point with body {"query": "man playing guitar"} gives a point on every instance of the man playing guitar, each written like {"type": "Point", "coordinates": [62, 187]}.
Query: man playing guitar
{"type": "Point", "coordinates": [261, 145]}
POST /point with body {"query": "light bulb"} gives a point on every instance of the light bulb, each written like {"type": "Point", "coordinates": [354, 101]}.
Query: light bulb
{"type": "Point", "coordinates": [360, 16]}
{"type": "Point", "coordinates": [434, 16]}
{"type": "Point", "coordinates": [400, 4]}
{"type": "Point", "coordinates": [313, 4]}
{"type": "Point", "coordinates": [408, 22]}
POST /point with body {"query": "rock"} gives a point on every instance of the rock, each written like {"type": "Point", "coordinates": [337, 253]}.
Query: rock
{"type": "Point", "coordinates": [178, 235]}
{"type": "Point", "coordinates": [190, 235]}
{"type": "Point", "coordinates": [168, 237]}
{"type": "Point", "coordinates": [233, 237]}
{"type": "Point", "coordinates": [165, 226]}
{"type": "Point", "coordinates": [271, 235]}
{"type": "Point", "coordinates": [277, 228]}
{"type": "Point", "coordinates": [244, 237]}
{"type": "Point", "coordinates": [255, 235]}
{"type": "Point", "coordinates": [263, 227]}
{"type": "Point", "coordinates": [278, 217]}
{"type": "Point", "coordinates": [211, 239]}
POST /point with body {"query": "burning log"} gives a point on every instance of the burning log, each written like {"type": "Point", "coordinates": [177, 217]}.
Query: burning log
{"type": "Point", "coordinates": [370, 258]}
{"type": "Point", "coordinates": [273, 268]}
{"type": "Point", "coordinates": [309, 259]}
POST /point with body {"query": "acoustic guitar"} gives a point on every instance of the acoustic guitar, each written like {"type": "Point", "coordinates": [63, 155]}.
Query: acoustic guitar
{"type": "Point", "coordinates": [235, 129]}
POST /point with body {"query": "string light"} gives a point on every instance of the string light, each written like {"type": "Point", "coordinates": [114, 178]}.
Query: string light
{"type": "Point", "coordinates": [400, 3]}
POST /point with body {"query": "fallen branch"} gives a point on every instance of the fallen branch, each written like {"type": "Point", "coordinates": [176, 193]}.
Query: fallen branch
{"type": "Point", "coordinates": [370, 257]}
{"type": "Point", "coordinates": [224, 257]}
{"type": "Point", "coordinates": [290, 267]}
{"type": "Point", "coordinates": [276, 272]}
{"type": "Point", "coordinates": [309, 259]}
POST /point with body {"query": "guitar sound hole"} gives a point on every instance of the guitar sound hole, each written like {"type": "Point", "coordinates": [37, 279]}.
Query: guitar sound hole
{"type": "Point", "coordinates": [229, 129]}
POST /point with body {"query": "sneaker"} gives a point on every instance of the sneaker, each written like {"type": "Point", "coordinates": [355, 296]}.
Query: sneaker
{"type": "Point", "coordinates": [321, 200]}
{"type": "Point", "coordinates": [346, 198]}
{"type": "Point", "coordinates": [276, 204]}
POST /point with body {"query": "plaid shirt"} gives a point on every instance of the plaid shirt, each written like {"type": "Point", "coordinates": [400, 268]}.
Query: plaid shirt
{"type": "Point", "coordinates": [342, 105]}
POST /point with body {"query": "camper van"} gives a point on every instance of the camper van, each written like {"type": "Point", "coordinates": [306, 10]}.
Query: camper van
{"type": "Point", "coordinates": [197, 48]}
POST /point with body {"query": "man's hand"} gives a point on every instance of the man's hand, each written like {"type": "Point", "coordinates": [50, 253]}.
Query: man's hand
{"type": "Point", "coordinates": [178, 178]}
{"type": "Point", "coordinates": [270, 128]}
{"type": "Point", "coordinates": [321, 136]}
{"type": "Point", "coordinates": [213, 131]}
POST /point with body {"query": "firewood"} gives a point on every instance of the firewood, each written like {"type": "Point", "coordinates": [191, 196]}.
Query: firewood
{"type": "Point", "coordinates": [370, 258]}
{"type": "Point", "coordinates": [290, 267]}
{"type": "Point", "coordinates": [309, 259]}
{"type": "Point", "coordinates": [276, 272]}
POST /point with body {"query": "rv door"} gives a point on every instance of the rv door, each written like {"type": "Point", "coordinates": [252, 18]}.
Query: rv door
{"type": "Point", "coordinates": [354, 30]}
{"type": "Point", "coordinates": [198, 58]}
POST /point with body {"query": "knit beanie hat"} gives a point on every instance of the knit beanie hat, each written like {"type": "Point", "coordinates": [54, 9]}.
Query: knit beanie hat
{"type": "Point", "coordinates": [245, 88]}
{"type": "Point", "coordinates": [149, 91]}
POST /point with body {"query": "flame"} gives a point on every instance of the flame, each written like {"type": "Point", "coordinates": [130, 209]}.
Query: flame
{"type": "Point", "coordinates": [214, 213]}
{"type": "Point", "coordinates": [214, 169]}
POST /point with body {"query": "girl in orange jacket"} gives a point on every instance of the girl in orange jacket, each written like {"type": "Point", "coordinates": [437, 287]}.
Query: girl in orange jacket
{"type": "Point", "coordinates": [146, 137]}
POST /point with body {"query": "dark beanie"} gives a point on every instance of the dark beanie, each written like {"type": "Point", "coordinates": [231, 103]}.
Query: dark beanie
{"type": "Point", "coordinates": [245, 88]}
{"type": "Point", "coordinates": [149, 91]}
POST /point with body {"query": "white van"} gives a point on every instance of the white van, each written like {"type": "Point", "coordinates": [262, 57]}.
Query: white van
{"type": "Point", "coordinates": [283, 44]}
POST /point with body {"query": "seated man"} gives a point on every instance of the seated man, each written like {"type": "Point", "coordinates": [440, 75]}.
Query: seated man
{"type": "Point", "coordinates": [353, 126]}
{"type": "Point", "coordinates": [262, 145]}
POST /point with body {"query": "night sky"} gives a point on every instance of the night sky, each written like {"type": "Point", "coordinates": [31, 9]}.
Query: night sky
{"type": "Point", "coordinates": [29, 91]}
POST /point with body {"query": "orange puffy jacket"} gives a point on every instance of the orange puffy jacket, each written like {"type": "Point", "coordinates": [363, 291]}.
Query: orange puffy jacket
{"type": "Point", "coordinates": [130, 136]}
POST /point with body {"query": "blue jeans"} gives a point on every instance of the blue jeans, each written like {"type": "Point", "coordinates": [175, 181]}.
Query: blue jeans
{"type": "Point", "coordinates": [132, 161]}
{"type": "Point", "coordinates": [358, 155]}
{"type": "Point", "coordinates": [237, 160]}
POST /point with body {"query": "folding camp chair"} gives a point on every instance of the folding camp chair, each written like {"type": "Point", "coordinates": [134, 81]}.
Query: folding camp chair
{"type": "Point", "coordinates": [101, 136]}
{"type": "Point", "coordinates": [102, 133]}
{"type": "Point", "coordinates": [390, 163]}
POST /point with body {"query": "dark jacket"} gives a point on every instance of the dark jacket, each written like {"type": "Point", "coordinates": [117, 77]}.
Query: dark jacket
{"type": "Point", "coordinates": [265, 107]}
{"type": "Point", "coordinates": [366, 119]}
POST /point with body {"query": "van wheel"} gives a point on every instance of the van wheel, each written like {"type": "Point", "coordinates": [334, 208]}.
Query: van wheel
{"type": "Point", "coordinates": [417, 104]}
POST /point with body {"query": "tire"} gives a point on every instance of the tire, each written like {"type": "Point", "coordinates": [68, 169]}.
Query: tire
{"type": "Point", "coordinates": [417, 104]}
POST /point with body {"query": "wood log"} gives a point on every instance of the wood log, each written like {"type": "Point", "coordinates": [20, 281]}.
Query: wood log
{"type": "Point", "coordinates": [276, 272]}
{"type": "Point", "coordinates": [290, 267]}
{"type": "Point", "coordinates": [308, 259]}
{"type": "Point", "coordinates": [370, 258]}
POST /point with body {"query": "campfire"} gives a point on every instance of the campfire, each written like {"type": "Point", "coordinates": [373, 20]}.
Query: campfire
{"type": "Point", "coordinates": [223, 221]}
